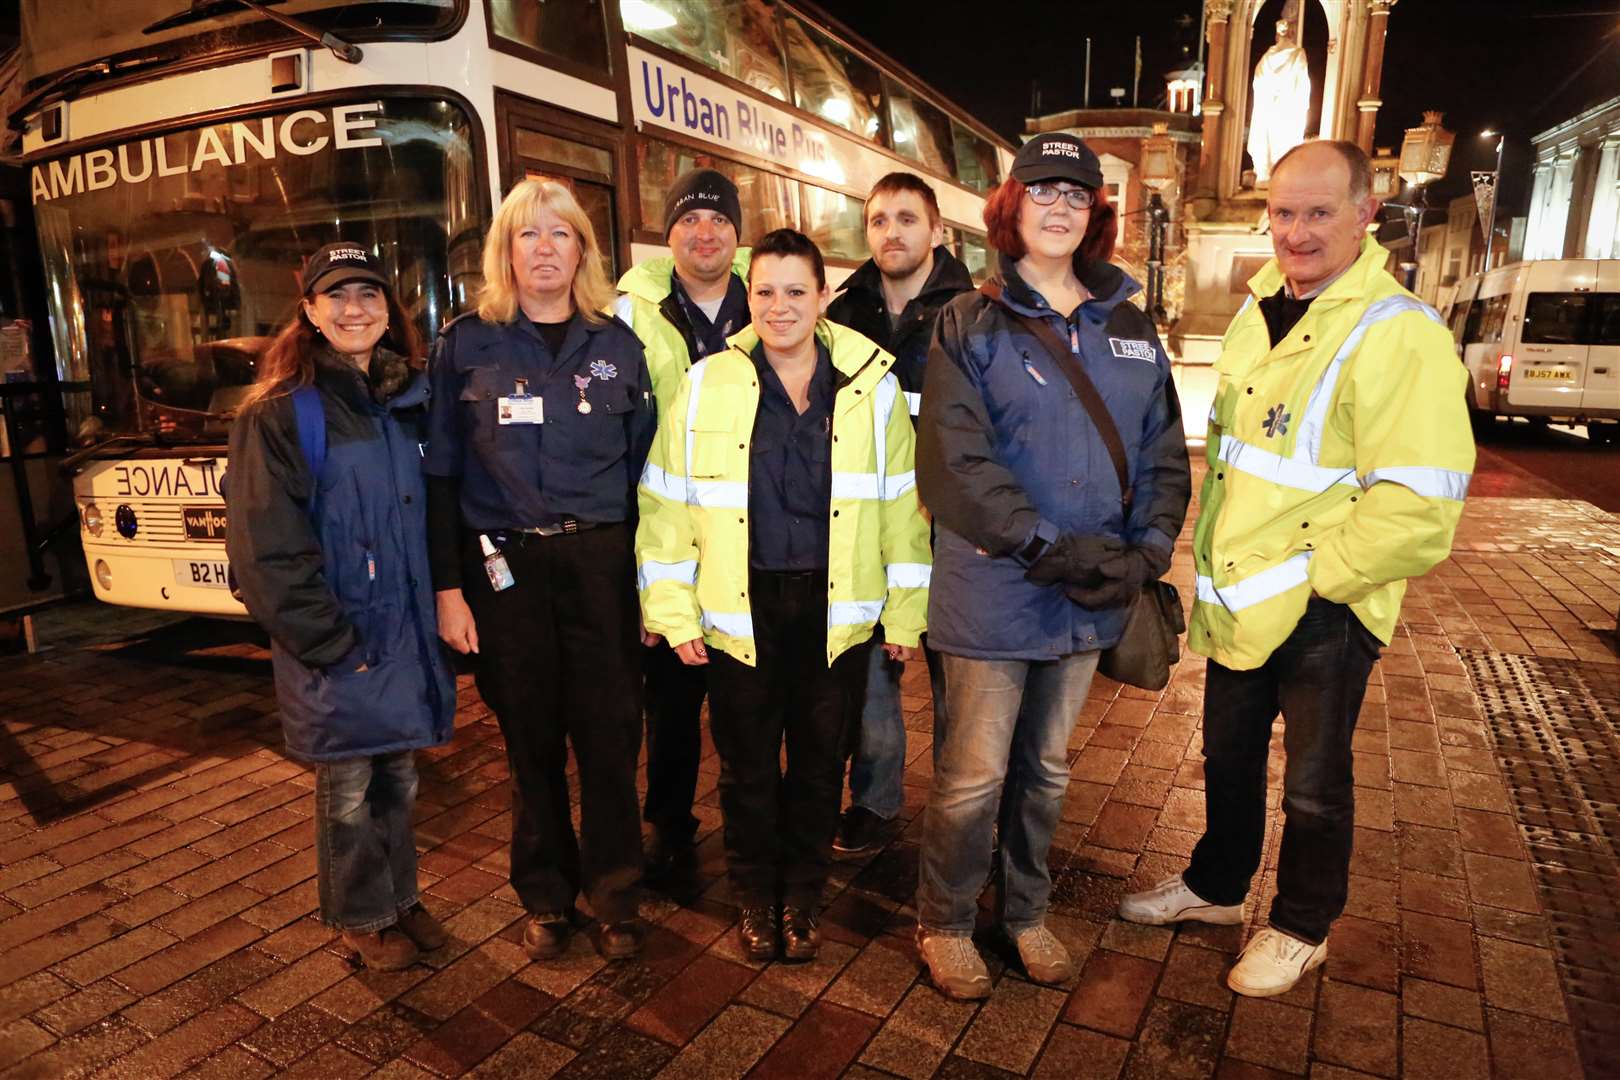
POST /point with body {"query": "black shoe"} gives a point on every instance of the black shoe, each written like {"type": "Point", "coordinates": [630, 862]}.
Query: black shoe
{"type": "Point", "coordinates": [757, 933]}
{"type": "Point", "coordinates": [618, 941]}
{"type": "Point", "coordinates": [858, 830]}
{"type": "Point", "coordinates": [665, 856]}
{"type": "Point", "coordinates": [801, 934]}
{"type": "Point", "coordinates": [546, 936]}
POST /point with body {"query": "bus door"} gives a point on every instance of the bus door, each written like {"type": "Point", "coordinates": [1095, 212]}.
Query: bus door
{"type": "Point", "coordinates": [542, 143]}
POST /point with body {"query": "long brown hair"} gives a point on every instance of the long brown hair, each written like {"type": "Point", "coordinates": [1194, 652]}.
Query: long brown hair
{"type": "Point", "coordinates": [289, 362]}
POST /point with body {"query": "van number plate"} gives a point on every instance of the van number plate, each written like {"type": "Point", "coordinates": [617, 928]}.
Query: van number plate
{"type": "Point", "coordinates": [1550, 373]}
{"type": "Point", "coordinates": [201, 573]}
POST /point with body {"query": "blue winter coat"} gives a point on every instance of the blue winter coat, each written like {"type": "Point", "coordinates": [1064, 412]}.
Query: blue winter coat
{"type": "Point", "coordinates": [1006, 452]}
{"type": "Point", "coordinates": [350, 586]}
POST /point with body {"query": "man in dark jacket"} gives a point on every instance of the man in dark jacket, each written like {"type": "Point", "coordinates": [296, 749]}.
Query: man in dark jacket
{"type": "Point", "coordinates": [894, 299]}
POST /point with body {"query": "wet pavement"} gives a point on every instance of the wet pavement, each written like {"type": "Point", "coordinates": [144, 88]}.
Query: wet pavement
{"type": "Point", "coordinates": [157, 890]}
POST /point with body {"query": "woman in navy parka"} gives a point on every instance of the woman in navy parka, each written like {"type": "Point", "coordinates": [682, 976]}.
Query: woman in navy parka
{"type": "Point", "coordinates": [328, 544]}
{"type": "Point", "coordinates": [1038, 551]}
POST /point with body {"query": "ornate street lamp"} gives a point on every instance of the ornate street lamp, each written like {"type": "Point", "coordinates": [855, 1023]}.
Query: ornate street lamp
{"type": "Point", "coordinates": [1158, 170]}
{"type": "Point", "coordinates": [1425, 153]}
{"type": "Point", "coordinates": [1386, 181]}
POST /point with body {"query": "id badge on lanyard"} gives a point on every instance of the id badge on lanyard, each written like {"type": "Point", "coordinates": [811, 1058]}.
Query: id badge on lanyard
{"type": "Point", "coordinates": [521, 407]}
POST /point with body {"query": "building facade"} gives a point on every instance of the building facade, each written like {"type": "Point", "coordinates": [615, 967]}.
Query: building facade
{"type": "Point", "coordinates": [1575, 189]}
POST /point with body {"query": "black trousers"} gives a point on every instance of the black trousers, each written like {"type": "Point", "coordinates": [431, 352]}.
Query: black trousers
{"type": "Point", "coordinates": [1317, 678]}
{"type": "Point", "coordinates": [558, 663]}
{"type": "Point", "coordinates": [779, 825]}
{"type": "Point", "coordinates": [673, 706]}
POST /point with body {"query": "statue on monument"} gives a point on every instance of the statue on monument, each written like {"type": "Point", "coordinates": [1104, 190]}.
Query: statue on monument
{"type": "Point", "coordinates": [1282, 99]}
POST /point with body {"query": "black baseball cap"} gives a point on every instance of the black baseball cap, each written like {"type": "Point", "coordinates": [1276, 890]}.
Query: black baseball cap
{"type": "Point", "coordinates": [1057, 156]}
{"type": "Point", "coordinates": [339, 264]}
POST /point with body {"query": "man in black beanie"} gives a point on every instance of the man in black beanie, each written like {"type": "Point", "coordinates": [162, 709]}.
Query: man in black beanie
{"type": "Point", "coordinates": [683, 307]}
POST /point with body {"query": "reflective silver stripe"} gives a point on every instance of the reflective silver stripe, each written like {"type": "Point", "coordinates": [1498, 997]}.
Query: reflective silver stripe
{"type": "Point", "coordinates": [665, 486]}
{"type": "Point", "coordinates": [1430, 483]}
{"type": "Point", "coordinates": [913, 403]}
{"type": "Point", "coordinates": [888, 389]}
{"type": "Point", "coordinates": [1289, 574]}
{"type": "Point", "coordinates": [695, 376]}
{"type": "Point", "coordinates": [855, 485]}
{"type": "Point", "coordinates": [854, 612]}
{"type": "Point", "coordinates": [898, 484]}
{"type": "Point", "coordinates": [1308, 442]}
{"type": "Point", "coordinates": [732, 625]}
{"type": "Point", "coordinates": [652, 572]}
{"type": "Point", "coordinates": [907, 575]}
{"type": "Point", "coordinates": [1288, 472]}
{"type": "Point", "coordinates": [625, 309]}
{"type": "Point", "coordinates": [717, 494]}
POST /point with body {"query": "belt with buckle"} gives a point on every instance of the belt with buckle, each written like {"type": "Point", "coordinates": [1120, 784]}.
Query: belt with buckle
{"type": "Point", "coordinates": [566, 527]}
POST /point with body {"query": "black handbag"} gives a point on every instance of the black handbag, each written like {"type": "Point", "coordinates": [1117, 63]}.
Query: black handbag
{"type": "Point", "coordinates": [1149, 643]}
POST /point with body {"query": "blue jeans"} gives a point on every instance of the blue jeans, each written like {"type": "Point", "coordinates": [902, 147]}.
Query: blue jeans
{"type": "Point", "coordinates": [877, 769]}
{"type": "Point", "coordinates": [1316, 679]}
{"type": "Point", "coordinates": [365, 848]}
{"type": "Point", "coordinates": [1010, 722]}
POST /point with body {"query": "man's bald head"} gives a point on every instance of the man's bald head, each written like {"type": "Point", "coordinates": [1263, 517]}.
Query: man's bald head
{"type": "Point", "coordinates": [1324, 154]}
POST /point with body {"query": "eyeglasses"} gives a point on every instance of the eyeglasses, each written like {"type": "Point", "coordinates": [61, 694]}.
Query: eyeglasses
{"type": "Point", "coordinates": [1045, 195]}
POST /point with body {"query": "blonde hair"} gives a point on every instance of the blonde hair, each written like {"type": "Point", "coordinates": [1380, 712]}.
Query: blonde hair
{"type": "Point", "coordinates": [498, 299]}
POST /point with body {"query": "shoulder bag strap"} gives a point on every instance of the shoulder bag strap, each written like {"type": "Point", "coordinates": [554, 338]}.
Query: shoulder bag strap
{"type": "Point", "coordinates": [310, 415]}
{"type": "Point", "coordinates": [1084, 389]}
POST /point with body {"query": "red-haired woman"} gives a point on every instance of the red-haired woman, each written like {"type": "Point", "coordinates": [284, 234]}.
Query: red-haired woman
{"type": "Point", "coordinates": [1039, 549]}
{"type": "Point", "coordinates": [328, 543]}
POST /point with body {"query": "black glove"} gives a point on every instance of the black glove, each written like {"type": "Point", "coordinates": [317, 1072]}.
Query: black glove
{"type": "Point", "coordinates": [1122, 578]}
{"type": "Point", "coordinates": [1074, 560]}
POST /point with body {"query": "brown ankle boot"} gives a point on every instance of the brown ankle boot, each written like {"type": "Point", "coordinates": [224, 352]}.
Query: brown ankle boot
{"type": "Point", "coordinates": [546, 936]}
{"type": "Point", "coordinates": [801, 934]}
{"type": "Point", "coordinates": [618, 941]}
{"type": "Point", "coordinates": [384, 950]}
{"type": "Point", "coordinates": [421, 927]}
{"type": "Point", "coordinates": [756, 931]}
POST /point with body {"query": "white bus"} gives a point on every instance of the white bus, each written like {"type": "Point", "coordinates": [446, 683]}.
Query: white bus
{"type": "Point", "coordinates": [183, 157]}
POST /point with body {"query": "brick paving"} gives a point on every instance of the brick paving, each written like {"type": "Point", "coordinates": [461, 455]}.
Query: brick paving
{"type": "Point", "coordinates": [157, 894]}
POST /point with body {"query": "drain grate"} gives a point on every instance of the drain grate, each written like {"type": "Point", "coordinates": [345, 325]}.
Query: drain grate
{"type": "Point", "coordinates": [1555, 725]}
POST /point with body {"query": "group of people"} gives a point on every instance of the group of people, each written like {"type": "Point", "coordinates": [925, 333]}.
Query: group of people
{"type": "Point", "coordinates": [719, 482]}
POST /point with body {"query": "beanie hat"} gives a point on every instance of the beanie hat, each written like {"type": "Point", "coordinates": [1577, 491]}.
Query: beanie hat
{"type": "Point", "coordinates": [702, 189]}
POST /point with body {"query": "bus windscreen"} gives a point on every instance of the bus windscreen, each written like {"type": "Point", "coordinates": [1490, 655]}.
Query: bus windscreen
{"type": "Point", "coordinates": [172, 258]}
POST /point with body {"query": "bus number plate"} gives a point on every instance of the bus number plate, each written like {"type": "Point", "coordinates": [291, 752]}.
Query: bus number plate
{"type": "Point", "coordinates": [201, 573]}
{"type": "Point", "coordinates": [204, 522]}
{"type": "Point", "coordinates": [1550, 373]}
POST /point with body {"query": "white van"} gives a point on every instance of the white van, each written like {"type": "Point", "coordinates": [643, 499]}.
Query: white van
{"type": "Point", "coordinates": [1542, 339]}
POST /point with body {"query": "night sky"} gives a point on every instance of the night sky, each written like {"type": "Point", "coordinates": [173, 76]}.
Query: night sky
{"type": "Point", "coordinates": [1518, 65]}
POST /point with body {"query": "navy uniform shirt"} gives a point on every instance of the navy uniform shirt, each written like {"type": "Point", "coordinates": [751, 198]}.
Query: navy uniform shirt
{"type": "Point", "coordinates": [790, 471]}
{"type": "Point", "coordinates": [709, 336]}
{"type": "Point", "coordinates": [581, 465]}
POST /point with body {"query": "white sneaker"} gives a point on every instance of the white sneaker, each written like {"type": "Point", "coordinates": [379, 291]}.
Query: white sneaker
{"type": "Point", "coordinates": [1272, 962]}
{"type": "Point", "coordinates": [1171, 901]}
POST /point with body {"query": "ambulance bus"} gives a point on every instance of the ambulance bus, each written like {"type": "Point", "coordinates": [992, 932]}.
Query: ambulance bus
{"type": "Point", "coordinates": [185, 155]}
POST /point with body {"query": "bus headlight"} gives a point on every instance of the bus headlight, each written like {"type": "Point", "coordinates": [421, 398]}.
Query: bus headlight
{"type": "Point", "coordinates": [91, 515]}
{"type": "Point", "coordinates": [104, 575]}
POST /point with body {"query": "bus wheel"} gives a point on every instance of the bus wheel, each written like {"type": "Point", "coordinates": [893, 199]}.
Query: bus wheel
{"type": "Point", "coordinates": [1604, 434]}
{"type": "Point", "coordinates": [1483, 423]}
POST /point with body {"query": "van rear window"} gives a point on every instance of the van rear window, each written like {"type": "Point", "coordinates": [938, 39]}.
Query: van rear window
{"type": "Point", "coordinates": [1556, 319]}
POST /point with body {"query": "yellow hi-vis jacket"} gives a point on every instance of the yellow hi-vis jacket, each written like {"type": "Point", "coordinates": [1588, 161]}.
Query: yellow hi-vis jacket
{"type": "Point", "coordinates": [1338, 462]}
{"type": "Point", "coordinates": [692, 539]}
{"type": "Point", "coordinates": [644, 290]}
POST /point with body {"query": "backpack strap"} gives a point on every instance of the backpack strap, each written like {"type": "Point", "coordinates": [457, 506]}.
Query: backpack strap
{"type": "Point", "coordinates": [309, 413]}
{"type": "Point", "coordinates": [1084, 388]}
